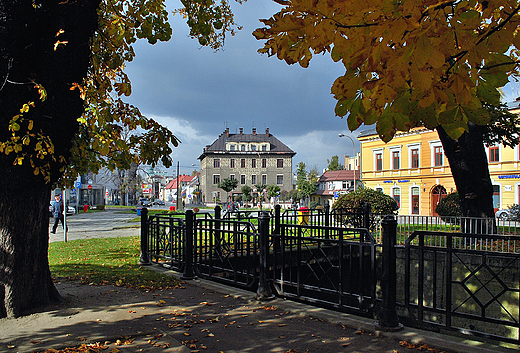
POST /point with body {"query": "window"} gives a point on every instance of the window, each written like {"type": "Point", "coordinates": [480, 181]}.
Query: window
{"type": "Point", "coordinates": [243, 147]}
{"type": "Point", "coordinates": [253, 179]}
{"type": "Point", "coordinates": [496, 197]}
{"type": "Point", "coordinates": [415, 158]}
{"type": "Point", "coordinates": [279, 179]}
{"type": "Point", "coordinates": [232, 176]}
{"type": "Point", "coordinates": [344, 186]}
{"type": "Point", "coordinates": [242, 179]}
{"type": "Point", "coordinates": [437, 153]}
{"type": "Point", "coordinates": [253, 163]}
{"type": "Point", "coordinates": [264, 163]}
{"type": "Point", "coordinates": [379, 161]}
{"type": "Point", "coordinates": [264, 148]}
{"type": "Point", "coordinates": [395, 160]}
{"type": "Point", "coordinates": [216, 163]}
{"type": "Point", "coordinates": [253, 147]}
{"type": "Point", "coordinates": [232, 147]}
{"type": "Point", "coordinates": [494, 154]}
{"type": "Point", "coordinates": [232, 162]}
{"type": "Point", "coordinates": [279, 163]}
{"type": "Point", "coordinates": [216, 179]}
{"type": "Point", "coordinates": [380, 189]}
{"type": "Point", "coordinates": [415, 200]}
{"type": "Point", "coordinates": [264, 179]}
{"type": "Point", "coordinates": [242, 163]}
{"type": "Point", "coordinates": [396, 195]}
{"type": "Point", "coordinates": [438, 156]}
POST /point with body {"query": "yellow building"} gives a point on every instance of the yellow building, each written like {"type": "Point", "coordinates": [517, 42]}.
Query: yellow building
{"type": "Point", "coordinates": [413, 169]}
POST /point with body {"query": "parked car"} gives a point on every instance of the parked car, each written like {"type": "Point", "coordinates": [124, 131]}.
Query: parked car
{"type": "Point", "coordinates": [158, 202]}
{"type": "Point", "coordinates": [145, 202]}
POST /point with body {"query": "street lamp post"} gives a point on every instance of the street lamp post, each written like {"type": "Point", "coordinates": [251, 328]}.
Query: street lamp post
{"type": "Point", "coordinates": [355, 156]}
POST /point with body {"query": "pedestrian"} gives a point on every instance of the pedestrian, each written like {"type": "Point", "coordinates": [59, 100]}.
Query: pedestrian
{"type": "Point", "coordinates": [57, 213]}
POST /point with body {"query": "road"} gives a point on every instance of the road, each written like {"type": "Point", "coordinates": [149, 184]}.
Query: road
{"type": "Point", "coordinates": [109, 223]}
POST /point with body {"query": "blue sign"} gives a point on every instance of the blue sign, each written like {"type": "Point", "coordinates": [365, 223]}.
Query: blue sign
{"type": "Point", "coordinates": [336, 195]}
{"type": "Point", "coordinates": [78, 184]}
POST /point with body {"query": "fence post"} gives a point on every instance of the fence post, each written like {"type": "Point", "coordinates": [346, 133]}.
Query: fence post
{"type": "Point", "coordinates": [144, 259]}
{"type": "Point", "coordinates": [276, 232]}
{"type": "Point", "coordinates": [218, 216]}
{"type": "Point", "coordinates": [388, 320]}
{"type": "Point", "coordinates": [188, 247]}
{"type": "Point", "coordinates": [264, 289]}
{"type": "Point", "coordinates": [327, 221]}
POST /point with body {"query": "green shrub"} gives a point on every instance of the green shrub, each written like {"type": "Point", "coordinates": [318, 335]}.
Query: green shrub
{"type": "Point", "coordinates": [380, 203]}
{"type": "Point", "coordinates": [449, 207]}
{"type": "Point", "coordinates": [313, 205]}
{"type": "Point", "coordinates": [100, 207]}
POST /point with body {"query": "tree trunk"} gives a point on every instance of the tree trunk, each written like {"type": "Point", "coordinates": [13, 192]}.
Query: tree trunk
{"type": "Point", "coordinates": [469, 167]}
{"type": "Point", "coordinates": [25, 278]}
{"type": "Point", "coordinates": [29, 55]}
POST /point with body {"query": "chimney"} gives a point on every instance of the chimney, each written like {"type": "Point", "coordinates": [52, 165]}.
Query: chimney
{"type": "Point", "coordinates": [254, 131]}
{"type": "Point", "coordinates": [267, 131]}
{"type": "Point", "coordinates": [227, 132]}
{"type": "Point", "coordinates": [241, 130]}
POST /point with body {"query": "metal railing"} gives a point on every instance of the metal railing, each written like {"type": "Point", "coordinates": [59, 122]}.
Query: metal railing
{"type": "Point", "coordinates": [468, 288]}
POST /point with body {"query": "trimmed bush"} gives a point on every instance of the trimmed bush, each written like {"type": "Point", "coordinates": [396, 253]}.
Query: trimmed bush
{"type": "Point", "coordinates": [380, 203]}
{"type": "Point", "coordinates": [100, 207]}
{"type": "Point", "coordinates": [449, 207]}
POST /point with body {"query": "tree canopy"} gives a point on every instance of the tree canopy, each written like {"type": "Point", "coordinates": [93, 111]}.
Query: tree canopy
{"type": "Point", "coordinates": [111, 133]}
{"type": "Point", "coordinates": [407, 63]}
{"type": "Point", "coordinates": [334, 164]}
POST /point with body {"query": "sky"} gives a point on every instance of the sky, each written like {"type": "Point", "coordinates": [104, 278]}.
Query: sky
{"type": "Point", "coordinates": [197, 92]}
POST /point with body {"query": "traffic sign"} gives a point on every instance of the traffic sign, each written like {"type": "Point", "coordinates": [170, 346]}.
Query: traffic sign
{"type": "Point", "coordinates": [78, 184]}
{"type": "Point", "coordinates": [89, 187]}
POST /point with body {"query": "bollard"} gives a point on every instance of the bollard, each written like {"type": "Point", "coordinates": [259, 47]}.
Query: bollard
{"type": "Point", "coordinates": [388, 320]}
{"type": "Point", "coordinates": [264, 289]}
{"type": "Point", "coordinates": [144, 259]}
{"type": "Point", "coordinates": [188, 247]}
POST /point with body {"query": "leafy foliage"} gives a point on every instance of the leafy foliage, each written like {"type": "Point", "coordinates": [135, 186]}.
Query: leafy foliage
{"type": "Point", "coordinates": [333, 164]}
{"type": "Point", "coordinates": [305, 181]}
{"type": "Point", "coordinates": [246, 192]}
{"type": "Point", "coordinates": [112, 133]}
{"type": "Point", "coordinates": [449, 206]}
{"type": "Point", "coordinates": [228, 184]}
{"type": "Point", "coordinates": [407, 63]}
{"type": "Point", "coordinates": [380, 203]}
{"type": "Point", "coordinates": [273, 190]}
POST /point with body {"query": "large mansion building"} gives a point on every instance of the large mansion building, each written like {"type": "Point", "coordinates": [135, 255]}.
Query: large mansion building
{"type": "Point", "coordinates": [251, 159]}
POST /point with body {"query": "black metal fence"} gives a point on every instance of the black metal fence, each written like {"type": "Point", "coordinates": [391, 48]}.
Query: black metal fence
{"type": "Point", "coordinates": [461, 283]}
{"type": "Point", "coordinates": [468, 288]}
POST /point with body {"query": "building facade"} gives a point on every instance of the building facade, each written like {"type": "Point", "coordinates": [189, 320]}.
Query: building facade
{"type": "Point", "coordinates": [251, 159]}
{"type": "Point", "coordinates": [413, 169]}
{"type": "Point", "coordinates": [333, 184]}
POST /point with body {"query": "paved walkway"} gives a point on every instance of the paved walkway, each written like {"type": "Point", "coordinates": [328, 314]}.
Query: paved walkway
{"type": "Point", "coordinates": [202, 316]}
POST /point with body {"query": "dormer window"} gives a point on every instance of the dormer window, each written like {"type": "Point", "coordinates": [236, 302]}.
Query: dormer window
{"type": "Point", "coordinates": [253, 147]}
{"type": "Point", "coordinates": [243, 148]}
{"type": "Point", "coordinates": [232, 147]}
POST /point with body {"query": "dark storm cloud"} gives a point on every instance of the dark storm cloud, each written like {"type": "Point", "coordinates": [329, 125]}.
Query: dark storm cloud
{"type": "Point", "coordinates": [197, 92]}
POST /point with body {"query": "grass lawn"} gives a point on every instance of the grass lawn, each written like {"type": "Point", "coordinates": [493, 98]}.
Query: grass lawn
{"type": "Point", "coordinates": [105, 261]}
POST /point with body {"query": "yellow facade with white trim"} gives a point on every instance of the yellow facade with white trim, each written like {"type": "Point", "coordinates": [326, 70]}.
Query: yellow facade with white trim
{"type": "Point", "coordinates": [419, 186]}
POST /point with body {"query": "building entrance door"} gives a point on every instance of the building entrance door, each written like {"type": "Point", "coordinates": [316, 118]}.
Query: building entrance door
{"type": "Point", "coordinates": [438, 193]}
